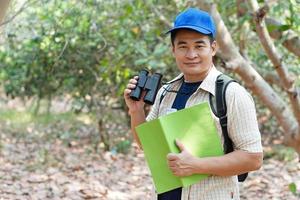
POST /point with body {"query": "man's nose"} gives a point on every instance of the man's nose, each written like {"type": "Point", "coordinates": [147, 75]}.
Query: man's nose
{"type": "Point", "coordinates": [191, 53]}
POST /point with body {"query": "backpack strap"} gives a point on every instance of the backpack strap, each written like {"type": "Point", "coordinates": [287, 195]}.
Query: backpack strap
{"type": "Point", "coordinates": [163, 94]}
{"type": "Point", "coordinates": [166, 89]}
{"type": "Point", "coordinates": [219, 108]}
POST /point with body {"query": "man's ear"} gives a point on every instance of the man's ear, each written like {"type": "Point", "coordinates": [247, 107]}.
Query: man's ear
{"type": "Point", "coordinates": [172, 48]}
{"type": "Point", "coordinates": [214, 47]}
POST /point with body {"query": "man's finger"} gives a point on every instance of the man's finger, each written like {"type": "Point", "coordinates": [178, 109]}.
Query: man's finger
{"type": "Point", "coordinates": [180, 145]}
{"type": "Point", "coordinates": [172, 156]}
{"type": "Point", "coordinates": [172, 164]}
{"type": "Point", "coordinates": [133, 81]}
{"type": "Point", "coordinates": [131, 86]}
{"type": "Point", "coordinates": [127, 92]}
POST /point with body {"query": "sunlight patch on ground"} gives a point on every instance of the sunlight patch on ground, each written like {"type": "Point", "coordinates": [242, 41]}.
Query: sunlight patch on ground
{"type": "Point", "coordinates": [85, 119]}
{"type": "Point", "coordinates": [16, 117]}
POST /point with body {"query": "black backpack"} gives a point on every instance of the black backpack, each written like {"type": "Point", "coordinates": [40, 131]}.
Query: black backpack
{"type": "Point", "coordinates": [218, 106]}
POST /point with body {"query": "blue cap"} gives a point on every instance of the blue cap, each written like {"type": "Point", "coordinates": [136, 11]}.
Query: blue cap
{"type": "Point", "coordinates": [195, 19]}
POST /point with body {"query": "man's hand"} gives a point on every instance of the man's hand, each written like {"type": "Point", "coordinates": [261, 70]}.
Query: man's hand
{"type": "Point", "coordinates": [236, 162]}
{"type": "Point", "coordinates": [182, 164]}
{"type": "Point", "coordinates": [133, 106]}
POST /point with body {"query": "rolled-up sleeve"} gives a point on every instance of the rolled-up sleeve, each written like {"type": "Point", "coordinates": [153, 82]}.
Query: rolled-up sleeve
{"type": "Point", "coordinates": [242, 121]}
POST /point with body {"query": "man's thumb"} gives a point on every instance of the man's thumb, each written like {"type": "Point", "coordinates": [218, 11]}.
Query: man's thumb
{"type": "Point", "coordinates": [180, 145]}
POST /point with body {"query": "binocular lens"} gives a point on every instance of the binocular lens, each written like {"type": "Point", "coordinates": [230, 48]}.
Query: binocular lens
{"type": "Point", "coordinates": [152, 87]}
{"type": "Point", "coordinates": [137, 92]}
{"type": "Point", "coordinates": [150, 84]}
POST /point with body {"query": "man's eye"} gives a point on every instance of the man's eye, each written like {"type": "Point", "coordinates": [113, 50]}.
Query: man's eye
{"type": "Point", "coordinates": [182, 47]}
{"type": "Point", "coordinates": [199, 47]}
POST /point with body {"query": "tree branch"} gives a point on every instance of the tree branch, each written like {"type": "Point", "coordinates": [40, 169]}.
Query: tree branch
{"type": "Point", "coordinates": [291, 41]}
{"type": "Point", "coordinates": [287, 82]}
{"type": "Point", "coordinates": [229, 53]}
{"type": "Point", "coordinates": [244, 27]}
{"type": "Point", "coordinates": [272, 78]}
{"type": "Point", "coordinates": [23, 7]}
{"type": "Point", "coordinates": [161, 17]}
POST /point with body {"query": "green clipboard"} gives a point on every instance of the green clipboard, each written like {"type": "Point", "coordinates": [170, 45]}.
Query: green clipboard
{"type": "Point", "coordinates": [194, 127]}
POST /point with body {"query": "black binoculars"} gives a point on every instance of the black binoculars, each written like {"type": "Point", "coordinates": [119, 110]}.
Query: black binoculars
{"type": "Point", "coordinates": [148, 83]}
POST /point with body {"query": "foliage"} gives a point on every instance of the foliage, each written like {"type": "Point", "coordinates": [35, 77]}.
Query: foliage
{"type": "Point", "coordinates": [293, 189]}
{"type": "Point", "coordinates": [83, 48]}
{"type": "Point", "coordinates": [241, 28]}
{"type": "Point", "coordinates": [281, 153]}
{"type": "Point", "coordinates": [20, 121]}
{"type": "Point", "coordinates": [86, 49]}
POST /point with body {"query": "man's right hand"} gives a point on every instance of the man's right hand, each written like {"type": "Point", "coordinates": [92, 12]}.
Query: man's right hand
{"type": "Point", "coordinates": [133, 106]}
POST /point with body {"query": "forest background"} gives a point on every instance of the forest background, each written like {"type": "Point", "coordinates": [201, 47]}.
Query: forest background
{"type": "Point", "coordinates": [64, 66]}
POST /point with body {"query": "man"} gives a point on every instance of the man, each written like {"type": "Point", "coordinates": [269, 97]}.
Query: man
{"type": "Point", "coordinates": [193, 47]}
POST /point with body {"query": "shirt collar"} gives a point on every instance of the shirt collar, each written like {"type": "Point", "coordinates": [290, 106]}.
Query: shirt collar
{"type": "Point", "coordinates": [180, 76]}
{"type": "Point", "coordinates": [209, 81]}
{"type": "Point", "coordinates": [208, 84]}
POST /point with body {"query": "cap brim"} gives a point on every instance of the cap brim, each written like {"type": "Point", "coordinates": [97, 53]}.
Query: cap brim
{"type": "Point", "coordinates": [194, 28]}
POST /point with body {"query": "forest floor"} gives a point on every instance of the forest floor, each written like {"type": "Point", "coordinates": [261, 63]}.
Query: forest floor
{"type": "Point", "coordinates": [32, 168]}
{"type": "Point", "coordinates": [61, 161]}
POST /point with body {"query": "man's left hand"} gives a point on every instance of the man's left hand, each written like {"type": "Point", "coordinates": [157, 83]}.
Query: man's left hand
{"type": "Point", "coordinates": [182, 164]}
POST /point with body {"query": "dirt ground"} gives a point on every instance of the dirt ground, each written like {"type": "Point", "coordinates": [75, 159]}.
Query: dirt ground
{"type": "Point", "coordinates": [35, 169]}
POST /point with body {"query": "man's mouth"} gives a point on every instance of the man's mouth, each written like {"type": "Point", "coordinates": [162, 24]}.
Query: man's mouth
{"type": "Point", "coordinates": [192, 63]}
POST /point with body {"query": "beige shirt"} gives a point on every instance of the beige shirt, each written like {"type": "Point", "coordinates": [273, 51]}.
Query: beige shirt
{"type": "Point", "coordinates": [242, 129]}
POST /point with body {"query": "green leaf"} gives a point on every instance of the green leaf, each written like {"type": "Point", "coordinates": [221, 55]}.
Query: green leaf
{"type": "Point", "coordinates": [160, 49]}
{"type": "Point", "coordinates": [244, 18]}
{"type": "Point", "coordinates": [129, 9]}
{"type": "Point", "coordinates": [141, 61]}
{"type": "Point", "coordinates": [293, 2]}
{"type": "Point", "coordinates": [272, 27]}
{"type": "Point", "coordinates": [142, 50]}
{"type": "Point", "coordinates": [293, 188]}
{"type": "Point", "coordinates": [284, 27]}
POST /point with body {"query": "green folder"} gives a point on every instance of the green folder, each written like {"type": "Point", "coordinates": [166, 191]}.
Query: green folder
{"type": "Point", "coordinates": [194, 127]}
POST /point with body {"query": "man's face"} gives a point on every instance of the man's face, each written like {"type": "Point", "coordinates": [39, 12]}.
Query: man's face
{"type": "Point", "coordinates": [193, 53]}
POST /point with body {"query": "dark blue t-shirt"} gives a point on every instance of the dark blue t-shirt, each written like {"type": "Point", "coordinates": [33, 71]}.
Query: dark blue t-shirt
{"type": "Point", "coordinates": [184, 93]}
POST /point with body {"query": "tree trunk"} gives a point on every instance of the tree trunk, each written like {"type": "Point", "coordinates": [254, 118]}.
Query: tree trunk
{"type": "Point", "coordinates": [3, 8]}
{"type": "Point", "coordinates": [286, 80]}
{"type": "Point", "coordinates": [229, 53]}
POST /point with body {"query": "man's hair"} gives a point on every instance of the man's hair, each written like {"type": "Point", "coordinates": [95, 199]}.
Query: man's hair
{"type": "Point", "coordinates": [173, 35]}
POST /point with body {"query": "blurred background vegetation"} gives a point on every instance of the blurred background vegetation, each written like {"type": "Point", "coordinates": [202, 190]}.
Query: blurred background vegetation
{"type": "Point", "coordinates": [64, 66]}
{"type": "Point", "coordinates": [76, 57]}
